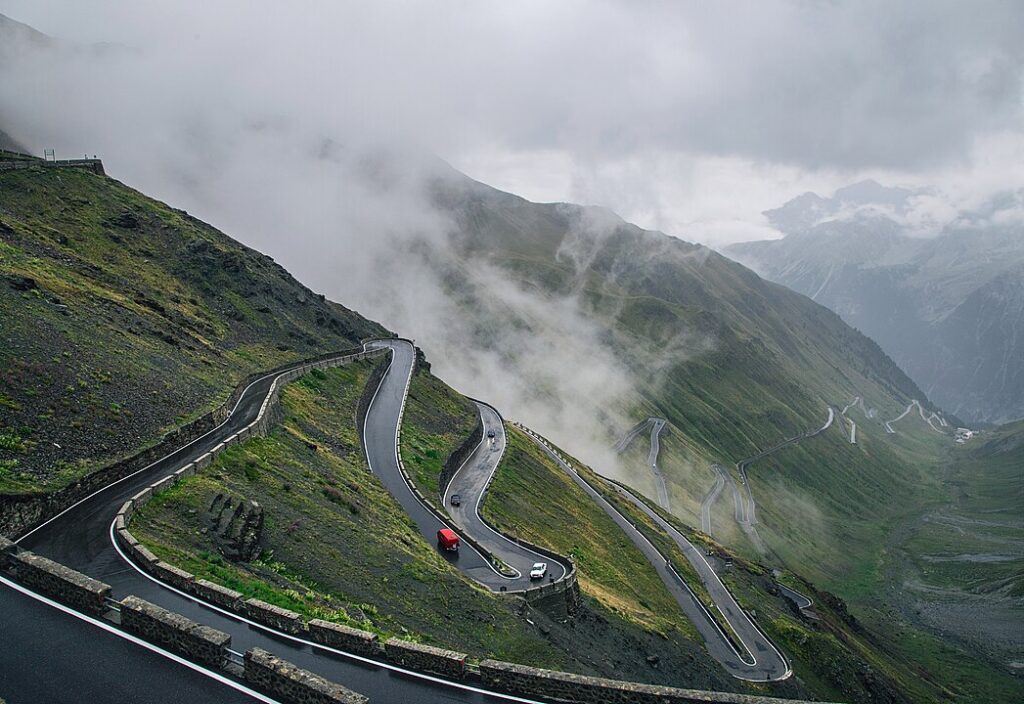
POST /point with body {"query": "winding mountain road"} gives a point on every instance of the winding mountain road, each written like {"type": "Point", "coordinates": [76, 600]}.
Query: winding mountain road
{"type": "Point", "coordinates": [759, 660]}
{"type": "Point", "coordinates": [82, 538]}
{"type": "Point", "coordinates": [750, 514]}
{"type": "Point", "coordinates": [470, 483]}
{"type": "Point", "coordinates": [722, 477]}
{"type": "Point", "coordinates": [927, 419]}
{"type": "Point", "coordinates": [657, 427]}
{"type": "Point", "coordinates": [380, 436]}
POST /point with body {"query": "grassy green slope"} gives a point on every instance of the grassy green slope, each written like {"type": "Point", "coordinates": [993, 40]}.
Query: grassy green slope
{"type": "Point", "coordinates": [123, 317]}
{"type": "Point", "coordinates": [835, 657]}
{"type": "Point", "coordinates": [734, 363]}
{"type": "Point", "coordinates": [437, 421]}
{"type": "Point", "coordinates": [623, 596]}
{"type": "Point", "coordinates": [960, 563]}
{"type": "Point", "coordinates": [335, 543]}
{"type": "Point", "coordinates": [531, 499]}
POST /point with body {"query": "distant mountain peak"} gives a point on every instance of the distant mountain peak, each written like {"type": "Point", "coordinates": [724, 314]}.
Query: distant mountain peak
{"type": "Point", "coordinates": [866, 198]}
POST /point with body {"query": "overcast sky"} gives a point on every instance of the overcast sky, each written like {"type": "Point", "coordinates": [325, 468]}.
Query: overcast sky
{"type": "Point", "coordinates": [690, 117]}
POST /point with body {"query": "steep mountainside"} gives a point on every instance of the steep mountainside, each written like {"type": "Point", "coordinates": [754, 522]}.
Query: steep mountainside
{"type": "Point", "coordinates": [762, 362]}
{"type": "Point", "coordinates": [947, 307]}
{"type": "Point", "coordinates": [121, 317]}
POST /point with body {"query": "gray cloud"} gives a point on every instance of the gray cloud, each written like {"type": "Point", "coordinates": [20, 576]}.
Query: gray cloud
{"type": "Point", "coordinates": [852, 85]}
{"type": "Point", "coordinates": [258, 117]}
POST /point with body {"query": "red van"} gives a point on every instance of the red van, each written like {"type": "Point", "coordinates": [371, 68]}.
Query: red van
{"type": "Point", "coordinates": [447, 539]}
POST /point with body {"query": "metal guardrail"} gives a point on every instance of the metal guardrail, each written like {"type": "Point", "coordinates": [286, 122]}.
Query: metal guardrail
{"type": "Point", "coordinates": [234, 657]}
{"type": "Point", "coordinates": [112, 604]}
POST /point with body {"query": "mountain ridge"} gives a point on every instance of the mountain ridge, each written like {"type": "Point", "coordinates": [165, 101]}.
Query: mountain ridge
{"type": "Point", "coordinates": [943, 306]}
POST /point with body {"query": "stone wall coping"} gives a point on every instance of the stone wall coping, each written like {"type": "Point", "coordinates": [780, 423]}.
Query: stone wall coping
{"type": "Point", "coordinates": [614, 690]}
{"type": "Point", "coordinates": [228, 595]}
{"type": "Point", "coordinates": [425, 649]}
{"type": "Point", "coordinates": [299, 685]}
{"type": "Point", "coordinates": [63, 573]}
{"type": "Point", "coordinates": [176, 621]}
{"type": "Point", "coordinates": [320, 624]}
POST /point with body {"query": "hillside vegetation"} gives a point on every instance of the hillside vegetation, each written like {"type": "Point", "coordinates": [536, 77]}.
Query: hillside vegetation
{"type": "Point", "coordinates": [735, 364]}
{"type": "Point", "coordinates": [835, 656]}
{"type": "Point", "coordinates": [123, 317]}
{"type": "Point", "coordinates": [334, 543]}
{"type": "Point", "coordinates": [437, 421]}
{"type": "Point", "coordinates": [961, 563]}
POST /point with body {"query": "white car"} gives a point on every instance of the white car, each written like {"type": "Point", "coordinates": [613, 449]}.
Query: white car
{"type": "Point", "coordinates": [538, 570]}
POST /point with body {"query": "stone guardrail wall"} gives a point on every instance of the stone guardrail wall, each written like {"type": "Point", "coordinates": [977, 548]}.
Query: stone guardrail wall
{"type": "Point", "coordinates": [63, 583]}
{"type": "Point", "coordinates": [169, 630]}
{"type": "Point", "coordinates": [580, 689]}
{"type": "Point", "coordinates": [426, 658]}
{"type": "Point", "coordinates": [19, 513]}
{"type": "Point", "coordinates": [178, 634]}
{"type": "Point", "coordinates": [272, 674]}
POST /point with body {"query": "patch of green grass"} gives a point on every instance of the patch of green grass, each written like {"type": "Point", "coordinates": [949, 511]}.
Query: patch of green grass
{"type": "Point", "coordinates": [532, 499]}
{"type": "Point", "coordinates": [437, 421]}
{"type": "Point", "coordinates": [148, 325]}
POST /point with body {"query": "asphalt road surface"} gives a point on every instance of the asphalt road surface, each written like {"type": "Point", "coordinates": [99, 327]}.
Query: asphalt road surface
{"type": "Point", "coordinates": [82, 538]}
{"type": "Point", "coordinates": [51, 655]}
{"type": "Point", "coordinates": [759, 660]}
{"type": "Point", "coordinates": [721, 478]}
{"type": "Point", "coordinates": [379, 432]}
{"type": "Point", "coordinates": [657, 427]}
{"type": "Point", "coordinates": [470, 484]}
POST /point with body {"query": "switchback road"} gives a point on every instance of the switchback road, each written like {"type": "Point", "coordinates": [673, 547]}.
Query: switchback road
{"type": "Point", "coordinates": [380, 433]}
{"type": "Point", "coordinates": [758, 660]}
{"type": "Point", "coordinates": [657, 427]}
{"type": "Point", "coordinates": [470, 484]}
{"type": "Point", "coordinates": [82, 538]}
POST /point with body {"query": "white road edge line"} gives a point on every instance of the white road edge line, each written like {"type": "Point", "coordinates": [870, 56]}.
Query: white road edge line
{"type": "Point", "coordinates": [138, 641]}
{"type": "Point", "coordinates": [398, 459]}
{"type": "Point", "coordinates": [789, 667]}
{"type": "Point", "coordinates": [444, 499]}
{"type": "Point", "coordinates": [320, 646]}
{"type": "Point", "coordinates": [487, 484]}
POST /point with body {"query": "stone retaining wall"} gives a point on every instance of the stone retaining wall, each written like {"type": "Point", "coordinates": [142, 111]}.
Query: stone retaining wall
{"type": "Point", "coordinates": [293, 684]}
{"type": "Point", "coordinates": [94, 165]}
{"type": "Point", "coordinates": [426, 658]}
{"type": "Point", "coordinates": [7, 548]}
{"type": "Point", "coordinates": [178, 634]}
{"type": "Point", "coordinates": [351, 640]}
{"type": "Point", "coordinates": [580, 689]}
{"type": "Point", "coordinates": [59, 582]}
{"type": "Point", "coordinates": [458, 457]}
{"type": "Point", "coordinates": [274, 616]}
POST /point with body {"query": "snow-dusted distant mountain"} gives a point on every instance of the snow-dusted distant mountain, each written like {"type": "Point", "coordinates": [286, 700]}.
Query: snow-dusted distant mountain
{"type": "Point", "coordinates": [942, 291]}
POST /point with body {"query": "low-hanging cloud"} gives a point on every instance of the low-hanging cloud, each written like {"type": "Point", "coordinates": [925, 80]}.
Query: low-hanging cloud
{"type": "Point", "coordinates": [265, 120]}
